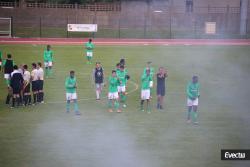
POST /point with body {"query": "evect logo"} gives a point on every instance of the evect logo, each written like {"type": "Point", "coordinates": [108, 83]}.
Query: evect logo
{"type": "Point", "coordinates": [235, 154]}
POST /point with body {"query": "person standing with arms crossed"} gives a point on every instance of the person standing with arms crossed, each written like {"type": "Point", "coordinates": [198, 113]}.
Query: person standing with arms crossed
{"type": "Point", "coordinates": [89, 46]}
{"type": "Point", "coordinates": [98, 79]}
{"type": "Point", "coordinates": [70, 86]}
{"type": "Point", "coordinates": [193, 94]}
{"type": "Point", "coordinates": [145, 89]}
{"type": "Point", "coordinates": [161, 77]}
{"type": "Point", "coordinates": [48, 57]}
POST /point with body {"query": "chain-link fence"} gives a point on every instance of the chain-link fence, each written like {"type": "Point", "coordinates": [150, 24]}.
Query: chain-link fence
{"type": "Point", "coordinates": [170, 22]}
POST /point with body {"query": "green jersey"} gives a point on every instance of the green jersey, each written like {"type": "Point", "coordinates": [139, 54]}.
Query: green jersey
{"type": "Point", "coordinates": [89, 46]}
{"type": "Point", "coordinates": [122, 76]}
{"type": "Point", "coordinates": [145, 79]}
{"type": "Point", "coordinates": [152, 71]}
{"type": "Point", "coordinates": [4, 61]}
{"type": "Point", "coordinates": [113, 83]}
{"type": "Point", "coordinates": [70, 85]}
{"type": "Point", "coordinates": [193, 90]}
{"type": "Point", "coordinates": [1, 55]}
{"type": "Point", "coordinates": [48, 56]}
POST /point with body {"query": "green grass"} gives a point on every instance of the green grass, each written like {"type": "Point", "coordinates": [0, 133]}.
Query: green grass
{"type": "Point", "coordinates": [45, 136]}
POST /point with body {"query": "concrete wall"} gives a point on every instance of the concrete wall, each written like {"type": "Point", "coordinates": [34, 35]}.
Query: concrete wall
{"type": "Point", "coordinates": [136, 15]}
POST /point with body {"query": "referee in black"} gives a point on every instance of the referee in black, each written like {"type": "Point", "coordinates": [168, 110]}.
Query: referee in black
{"type": "Point", "coordinates": [98, 78]}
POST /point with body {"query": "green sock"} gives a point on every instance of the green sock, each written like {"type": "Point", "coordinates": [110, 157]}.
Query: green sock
{"type": "Point", "coordinates": [142, 107]}
{"type": "Point", "coordinates": [110, 104]}
{"type": "Point", "coordinates": [123, 98]}
{"type": "Point", "coordinates": [50, 72]}
{"type": "Point", "coordinates": [117, 105]}
{"type": "Point", "coordinates": [189, 113]}
{"type": "Point", "coordinates": [46, 72]}
{"type": "Point", "coordinates": [67, 105]}
{"type": "Point", "coordinates": [76, 106]}
{"type": "Point", "coordinates": [7, 81]}
{"type": "Point", "coordinates": [195, 115]}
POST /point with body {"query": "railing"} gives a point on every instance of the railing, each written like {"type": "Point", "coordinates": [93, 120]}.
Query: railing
{"type": "Point", "coordinates": [90, 7]}
{"type": "Point", "coordinates": [8, 4]}
{"type": "Point", "coordinates": [117, 7]}
{"type": "Point", "coordinates": [48, 5]}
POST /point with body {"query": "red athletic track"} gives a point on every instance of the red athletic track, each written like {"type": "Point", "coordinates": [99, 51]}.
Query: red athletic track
{"type": "Point", "coordinates": [104, 41]}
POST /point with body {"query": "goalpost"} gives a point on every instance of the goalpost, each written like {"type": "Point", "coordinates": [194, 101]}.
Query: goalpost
{"type": "Point", "coordinates": [5, 27]}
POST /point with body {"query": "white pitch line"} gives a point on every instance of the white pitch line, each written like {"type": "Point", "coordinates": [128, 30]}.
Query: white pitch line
{"type": "Point", "coordinates": [86, 99]}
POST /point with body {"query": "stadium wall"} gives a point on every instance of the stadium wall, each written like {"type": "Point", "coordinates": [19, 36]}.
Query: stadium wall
{"type": "Point", "coordinates": [133, 19]}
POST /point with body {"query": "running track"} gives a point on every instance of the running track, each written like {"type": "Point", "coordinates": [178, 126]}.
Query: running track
{"type": "Point", "coordinates": [105, 41]}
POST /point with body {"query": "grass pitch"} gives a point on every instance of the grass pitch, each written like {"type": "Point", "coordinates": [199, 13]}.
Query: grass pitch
{"type": "Point", "coordinates": [45, 136]}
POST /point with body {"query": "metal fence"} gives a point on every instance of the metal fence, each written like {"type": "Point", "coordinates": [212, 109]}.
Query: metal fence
{"type": "Point", "coordinates": [114, 21]}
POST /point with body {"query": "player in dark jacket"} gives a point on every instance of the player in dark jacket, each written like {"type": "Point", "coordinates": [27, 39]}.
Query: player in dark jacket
{"type": "Point", "coordinates": [16, 83]}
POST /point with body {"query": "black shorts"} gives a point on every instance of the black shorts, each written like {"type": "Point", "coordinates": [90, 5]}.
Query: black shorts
{"type": "Point", "coordinates": [16, 90]}
{"type": "Point", "coordinates": [160, 91]}
{"type": "Point", "coordinates": [34, 86]}
{"type": "Point", "coordinates": [40, 84]}
{"type": "Point", "coordinates": [27, 89]}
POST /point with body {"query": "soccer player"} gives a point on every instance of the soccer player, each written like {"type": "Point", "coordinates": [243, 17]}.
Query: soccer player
{"type": "Point", "coordinates": [98, 78]}
{"type": "Point", "coordinates": [16, 83]}
{"type": "Point", "coordinates": [161, 76]}
{"type": "Point", "coordinates": [193, 94]}
{"type": "Point", "coordinates": [48, 57]}
{"type": "Point", "coordinates": [21, 70]}
{"type": "Point", "coordinates": [26, 86]}
{"type": "Point", "coordinates": [113, 93]}
{"type": "Point", "coordinates": [40, 74]}
{"type": "Point", "coordinates": [117, 67]}
{"type": "Point", "coordinates": [34, 83]}
{"type": "Point", "coordinates": [89, 46]}
{"type": "Point", "coordinates": [151, 84]}
{"type": "Point", "coordinates": [1, 60]}
{"type": "Point", "coordinates": [122, 62]}
{"type": "Point", "coordinates": [8, 69]}
{"type": "Point", "coordinates": [123, 78]}
{"type": "Point", "coordinates": [70, 85]}
{"type": "Point", "coordinates": [145, 89]}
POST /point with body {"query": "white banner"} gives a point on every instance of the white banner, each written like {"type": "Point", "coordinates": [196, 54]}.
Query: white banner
{"type": "Point", "coordinates": [210, 27]}
{"type": "Point", "coordinates": [82, 27]}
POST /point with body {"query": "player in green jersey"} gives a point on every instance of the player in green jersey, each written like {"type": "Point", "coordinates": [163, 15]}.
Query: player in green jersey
{"type": "Point", "coordinates": [89, 46]}
{"type": "Point", "coordinates": [152, 72]}
{"type": "Point", "coordinates": [123, 76]}
{"type": "Point", "coordinates": [48, 57]}
{"type": "Point", "coordinates": [70, 86]}
{"type": "Point", "coordinates": [1, 60]}
{"type": "Point", "coordinates": [193, 94]}
{"type": "Point", "coordinates": [145, 89]}
{"type": "Point", "coordinates": [113, 92]}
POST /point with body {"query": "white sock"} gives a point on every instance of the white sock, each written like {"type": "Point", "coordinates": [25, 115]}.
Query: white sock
{"type": "Point", "coordinates": [97, 94]}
